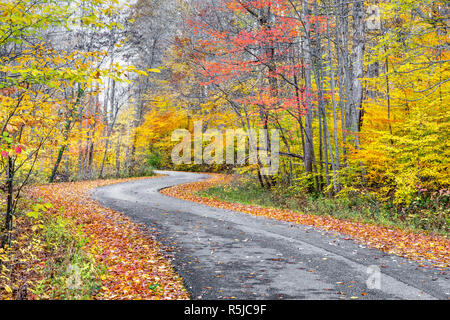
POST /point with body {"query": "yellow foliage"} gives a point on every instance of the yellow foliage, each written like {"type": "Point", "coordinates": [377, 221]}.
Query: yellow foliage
{"type": "Point", "coordinates": [405, 139]}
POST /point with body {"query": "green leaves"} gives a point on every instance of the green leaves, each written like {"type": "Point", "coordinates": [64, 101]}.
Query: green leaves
{"type": "Point", "coordinates": [6, 138]}
{"type": "Point", "coordinates": [25, 18]}
{"type": "Point", "coordinates": [154, 287]}
{"type": "Point", "coordinates": [38, 209]}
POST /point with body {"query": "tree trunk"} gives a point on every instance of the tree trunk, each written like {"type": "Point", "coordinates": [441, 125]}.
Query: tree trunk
{"type": "Point", "coordinates": [358, 68]}
{"type": "Point", "coordinates": [6, 241]}
{"type": "Point", "coordinates": [118, 157]}
{"type": "Point", "coordinates": [67, 129]}
{"type": "Point", "coordinates": [309, 146]}
{"type": "Point", "coordinates": [335, 121]}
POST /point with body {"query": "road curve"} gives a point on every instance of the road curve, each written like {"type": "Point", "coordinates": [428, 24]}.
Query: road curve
{"type": "Point", "coordinates": [223, 254]}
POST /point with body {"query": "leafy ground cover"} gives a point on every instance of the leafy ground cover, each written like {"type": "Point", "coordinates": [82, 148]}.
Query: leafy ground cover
{"type": "Point", "coordinates": [78, 249]}
{"type": "Point", "coordinates": [390, 239]}
{"type": "Point", "coordinates": [46, 259]}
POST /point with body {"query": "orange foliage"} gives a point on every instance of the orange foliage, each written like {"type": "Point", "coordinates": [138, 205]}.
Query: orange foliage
{"type": "Point", "coordinates": [135, 268]}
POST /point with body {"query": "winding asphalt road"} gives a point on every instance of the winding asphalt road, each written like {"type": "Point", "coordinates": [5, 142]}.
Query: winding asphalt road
{"type": "Point", "coordinates": [223, 254]}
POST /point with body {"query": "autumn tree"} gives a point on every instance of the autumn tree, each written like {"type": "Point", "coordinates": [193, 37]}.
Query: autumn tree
{"type": "Point", "coordinates": [45, 85]}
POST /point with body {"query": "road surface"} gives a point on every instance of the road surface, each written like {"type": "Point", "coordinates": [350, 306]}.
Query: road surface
{"type": "Point", "coordinates": [223, 254]}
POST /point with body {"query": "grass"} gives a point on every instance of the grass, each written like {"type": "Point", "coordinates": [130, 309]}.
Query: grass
{"type": "Point", "coordinates": [69, 272]}
{"type": "Point", "coordinates": [360, 208]}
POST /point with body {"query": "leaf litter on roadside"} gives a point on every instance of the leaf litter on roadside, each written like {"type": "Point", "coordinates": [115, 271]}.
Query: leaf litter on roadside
{"type": "Point", "coordinates": [136, 269]}
{"type": "Point", "coordinates": [404, 243]}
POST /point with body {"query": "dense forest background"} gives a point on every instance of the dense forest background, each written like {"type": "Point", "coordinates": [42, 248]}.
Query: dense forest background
{"type": "Point", "coordinates": [358, 90]}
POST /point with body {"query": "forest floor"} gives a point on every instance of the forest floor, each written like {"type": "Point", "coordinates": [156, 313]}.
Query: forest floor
{"type": "Point", "coordinates": [82, 250]}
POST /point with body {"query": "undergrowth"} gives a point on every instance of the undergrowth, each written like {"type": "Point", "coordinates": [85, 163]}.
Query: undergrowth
{"type": "Point", "coordinates": [46, 258]}
{"type": "Point", "coordinates": [423, 215]}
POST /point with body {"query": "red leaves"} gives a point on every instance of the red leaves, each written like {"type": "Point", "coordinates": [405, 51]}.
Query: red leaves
{"type": "Point", "coordinates": [136, 269]}
{"type": "Point", "coordinates": [11, 152]}
{"type": "Point", "coordinates": [394, 241]}
{"type": "Point", "coordinates": [18, 149]}
{"type": "Point", "coordinates": [235, 53]}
